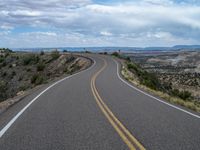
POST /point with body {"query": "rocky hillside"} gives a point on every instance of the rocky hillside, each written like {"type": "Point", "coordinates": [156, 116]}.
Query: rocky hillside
{"type": "Point", "coordinates": [20, 71]}
{"type": "Point", "coordinates": [179, 69]}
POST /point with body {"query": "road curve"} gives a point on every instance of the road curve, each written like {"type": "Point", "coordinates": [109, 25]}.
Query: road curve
{"type": "Point", "coordinates": [95, 109]}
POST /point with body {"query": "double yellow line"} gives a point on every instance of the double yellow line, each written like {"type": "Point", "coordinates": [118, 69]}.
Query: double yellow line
{"type": "Point", "coordinates": [126, 136]}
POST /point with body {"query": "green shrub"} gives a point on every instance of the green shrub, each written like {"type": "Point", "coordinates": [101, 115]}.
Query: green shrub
{"type": "Point", "coordinates": [2, 59]}
{"type": "Point", "coordinates": [42, 53]}
{"type": "Point", "coordinates": [23, 87]}
{"type": "Point", "coordinates": [34, 78]}
{"type": "Point", "coordinates": [185, 95]}
{"type": "Point", "coordinates": [66, 70]}
{"type": "Point", "coordinates": [4, 74]}
{"type": "Point", "coordinates": [4, 64]}
{"type": "Point", "coordinates": [40, 67]}
{"type": "Point", "coordinates": [145, 78]}
{"type": "Point", "coordinates": [175, 92]}
{"type": "Point", "coordinates": [3, 88]}
{"type": "Point", "coordinates": [30, 59]}
{"type": "Point", "coordinates": [20, 78]}
{"type": "Point", "coordinates": [88, 52]}
{"type": "Point", "coordinates": [28, 69]}
{"type": "Point", "coordinates": [55, 55]}
{"type": "Point", "coordinates": [132, 66]}
{"type": "Point", "coordinates": [128, 59]}
{"type": "Point", "coordinates": [167, 87]}
{"type": "Point", "coordinates": [26, 60]}
{"type": "Point", "coordinates": [150, 80]}
{"type": "Point", "coordinates": [13, 73]}
{"type": "Point", "coordinates": [37, 79]}
{"type": "Point", "coordinates": [116, 54]}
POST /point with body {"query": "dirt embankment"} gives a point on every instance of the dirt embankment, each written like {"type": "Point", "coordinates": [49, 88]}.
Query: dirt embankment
{"type": "Point", "coordinates": [21, 73]}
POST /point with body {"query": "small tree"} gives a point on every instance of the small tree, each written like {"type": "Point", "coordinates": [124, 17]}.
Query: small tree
{"type": "Point", "coordinates": [105, 53]}
{"type": "Point", "coordinates": [128, 59]}
{"type": "Point", "coordinates": [116, 54]}
{"type": "Point", "coordinates": [42, 53]}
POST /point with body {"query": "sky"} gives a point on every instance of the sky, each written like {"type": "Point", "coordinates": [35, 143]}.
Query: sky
{"type": "Point", "coordinates": [88, 23]}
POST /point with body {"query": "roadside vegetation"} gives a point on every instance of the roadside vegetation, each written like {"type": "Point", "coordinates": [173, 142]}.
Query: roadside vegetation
{"type": "Point", "coordinates": [21, 71]}
{"type": "Point", "coordinates": [151, 83]}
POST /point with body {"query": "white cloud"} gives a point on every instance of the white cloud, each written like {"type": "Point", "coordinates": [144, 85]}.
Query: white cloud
{"type": "Point", "coordinates": [158, 2]}
{"type": "Point", "coordinates": [39, 34]}
{"type": "Point", "coordinates": [105, 33]}
{"type": "Point", "coordinates": [6, 27]}
{"type": "Point", "coordinates": [27, 13]}
{"type": "Point", "coordinates": [145, 22]}
{"type": "Point", "coordinates": [160, 35]}
{"type": "Point", "coordinates": [4, 33]}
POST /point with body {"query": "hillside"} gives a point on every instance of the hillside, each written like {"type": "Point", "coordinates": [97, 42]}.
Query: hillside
{"type": "Point", "coordinates": [21, 71]}
{"type": "Point", "coordinates": [179, 69]}
{"type": "Point", "coordinates": [173, 76]}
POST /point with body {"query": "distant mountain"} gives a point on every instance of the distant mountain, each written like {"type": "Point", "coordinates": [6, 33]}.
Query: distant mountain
{"type": "Point", "coordinates": [111, 49]}
{"type": "Point", "coordinates": [157, 48]}
{"type": "Point", "coordinates": [186, 47]}
{"type": "Point", "coordinates": [176, 47]}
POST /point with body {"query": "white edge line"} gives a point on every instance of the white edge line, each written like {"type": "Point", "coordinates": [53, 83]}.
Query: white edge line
{"type": "Point", "coordinates": [185, 111]}
{"type": "Point", "coordinates": [9, 124]}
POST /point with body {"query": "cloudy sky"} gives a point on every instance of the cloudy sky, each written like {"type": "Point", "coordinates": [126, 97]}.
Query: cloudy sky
{"type": "Point", "coordinates": [56, 23]}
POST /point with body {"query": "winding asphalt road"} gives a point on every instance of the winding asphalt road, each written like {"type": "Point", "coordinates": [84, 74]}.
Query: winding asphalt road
{"type": "Point", "coordinates": [97, 110]}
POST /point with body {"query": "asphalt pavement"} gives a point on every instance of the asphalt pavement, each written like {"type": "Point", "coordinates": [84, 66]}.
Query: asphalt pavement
{"type": "Point", "coordinates": [96, 110]}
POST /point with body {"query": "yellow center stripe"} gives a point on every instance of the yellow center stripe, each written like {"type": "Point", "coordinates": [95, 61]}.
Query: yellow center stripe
{"type": "Point", "coordinates": [126, 136]}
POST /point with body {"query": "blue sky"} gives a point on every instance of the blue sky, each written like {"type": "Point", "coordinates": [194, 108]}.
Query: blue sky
{"type": "Point", "coordinates": [81, 23]}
